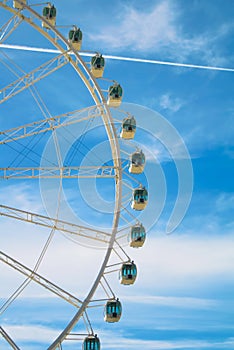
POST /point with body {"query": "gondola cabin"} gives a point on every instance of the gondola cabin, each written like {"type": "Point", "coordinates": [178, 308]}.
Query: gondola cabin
{"type": "Point", "coordinates": [128, 273]}
{"type": "Point", "coordinates": [91, 342]}
{"type": "Point", "coordinates": [128, 128]}
{"type": "Point", "coordinates": [137, 236]}
{"type": "Point", "coordinates": [19, 6]}
{"type": "Point", "coordinates": [140, 198]}
{"type": "Point", "coordinates": [75, 38]}
{"type": "Point", "coordinates": [137, 162]}
{"type": "Point", "coordinates": [97, 65]}
{"type": "Point", "coordinates": [113, 311]}
{"type": "Point", "coordinates": [115, 94]}
{"type": "Point", "coordinates": [49, 14]}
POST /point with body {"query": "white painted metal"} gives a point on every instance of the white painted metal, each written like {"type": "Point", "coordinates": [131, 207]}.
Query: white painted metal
{"type": "Point", "coordinates": [56, 224]}
{"type": "Point", "coordinates": [48, 124]}
{"type": "Point", "coordinates": [95, 91]}
{"type": "Point", "coordinates": [33, 77]}
{"type": "Point", "coordinates": [69, 172]}
{"type": "Point", "coordinates": [40, 280]}
{"type": "Point", "coordinates": [8, 339]}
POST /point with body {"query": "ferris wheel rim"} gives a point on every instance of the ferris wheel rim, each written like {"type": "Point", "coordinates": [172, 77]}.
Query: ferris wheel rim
{"type": "Point", "coordinates": [115, 149]}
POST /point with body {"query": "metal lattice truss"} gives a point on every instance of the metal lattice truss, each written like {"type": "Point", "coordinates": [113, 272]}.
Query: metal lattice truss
{"type": "Point", "coordinates": [25, 81]}
{"type": "Point", "coordinates": [69, 172]}
{"type": "Point", "coordinates": [33, 77]}
{"type": "Point", "coordinates": [49, 124]}
{"type": "Point", "coordinates": [8, 28]}
{"type": "Point", "coordinates": [56, 224]}
{"type": "Point", "coordinates": [40, 280]}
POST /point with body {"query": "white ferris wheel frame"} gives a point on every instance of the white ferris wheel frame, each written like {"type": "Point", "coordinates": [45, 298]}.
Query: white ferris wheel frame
{"type": "Point", "coordinates": [99, 99]}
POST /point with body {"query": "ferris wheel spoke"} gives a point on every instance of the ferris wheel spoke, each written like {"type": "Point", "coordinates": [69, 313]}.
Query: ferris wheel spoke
{"type": "Point", "coordinates": [87, 322]}
{"type": "Point", "coordinates": [40, 280]}
{"type": "Point", "coordinates": [48, 124]}
{"type": "Point", "coordinates": [63, 45]}
{"type": "Point", "coordinates": [8, 28]}
{"type": "Point", "coordinates": [56, 224]}
{"type": "Point", "coordinates": [68, 172]}
{"type": "Point", "coordinates": [32, 77]}
{"type": "Point", "coordinates": [8, 339]}
{"type": "Point", "coordinates": [106, 288]}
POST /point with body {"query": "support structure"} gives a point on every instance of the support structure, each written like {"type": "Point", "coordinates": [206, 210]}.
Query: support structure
{"type": "Point", "coordinates": [66, 48]}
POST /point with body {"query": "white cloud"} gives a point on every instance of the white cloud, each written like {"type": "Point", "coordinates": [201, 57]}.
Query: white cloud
{"type": "Point", "coordinates": [139, 29]}
{"type": "Point", "coordinates": [63, 260]}
{"type": "Point", "coordinates": [185, 261]}
{"type": "Point", "coordinates": [225, 202]}
{"type": "Point", "coordinates": [181, 302]}
{"type": "Point", "coordinates": [113, 340]}
{"type": "Point", "coordinates": [21, 195]}
{"type": "Point", "coordinates": [31, 333]}
{"type": "Point", "coordinates": [158, 30]}
{"type": "Point", "coordinates": [127, 343]}
{"type": "Point", "coordinates": [164, 261]}
{"type": "Point", "coordinates": [173, 104]}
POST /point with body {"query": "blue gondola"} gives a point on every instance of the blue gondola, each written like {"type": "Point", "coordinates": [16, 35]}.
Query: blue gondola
{"type": "Point", "coordinates": [97, 65]}
{"type": "Point", "coordinates": [18, 6]}
{"type": "Point", "coordinates": [140, 198]}
{"type": "Point", "coordinates": [137, 162]}
{"type": "Point", "coordinates": [113, 310]}
{"type": "Point", "coordinates": [75, 38]}
{"type": "Point", "coordinates": [91, 342]}
{"type": "Point", "coordinates": [128, 128]}
{"type": "Point", "coordinates": [115, 94]}
{"type": "Point", "coordinates": [49, 13]}
{"type": "Point", "coordinates": [128, 273]}
{"type": "Point", "coordinates": [137, 236]}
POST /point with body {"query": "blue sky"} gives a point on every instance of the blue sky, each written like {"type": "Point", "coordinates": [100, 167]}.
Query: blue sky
{"type": "Point", "coordinates": [183, 296]}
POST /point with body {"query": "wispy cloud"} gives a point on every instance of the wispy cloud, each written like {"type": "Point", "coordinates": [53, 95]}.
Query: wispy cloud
{"type": "Point", "coordinates": [172, 301]}
{"type": "Point", "coordinates": [129, 343]}
{"type": "Point", "coordinates": [140, 29]}
{"type": "Point", "coordinates": [173, 104]}
{"type": "Point", "coordinates": [29, 333]}
{"type": "Point", "coordinates": [225, 202]}
{"type": "Point", "coordinates": [113, 340]}
{"type": "Point", "coordinates": [21, 196]}
{"type": "Point", "coordinates": [195, 260]}
{"type": "Point", "coordinates": [158, 30]}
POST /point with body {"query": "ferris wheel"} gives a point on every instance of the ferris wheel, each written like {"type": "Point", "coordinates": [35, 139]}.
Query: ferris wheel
{"type": "Point", "coordinates": [75, 149]}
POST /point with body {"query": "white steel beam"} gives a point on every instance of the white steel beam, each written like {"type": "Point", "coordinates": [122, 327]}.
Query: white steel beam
{"type": "Point", "coordinates": [40, 280]}
{"type": "Point", "coordinates": [9, 27]}
{"type": "Point", "coordinates": [8, 339]}
{"type": "Point", "coordinates": [69, 172]}
{"type": "Point", "coordinates": [32, 77]}
{"type": "Point", "coordinates": [56, 224]}
{"type": "Point", "coordinates": [48, 124]}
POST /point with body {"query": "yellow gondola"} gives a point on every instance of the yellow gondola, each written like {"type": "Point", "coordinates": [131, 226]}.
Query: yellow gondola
{"type": "Point", "coordinates": [113, 310]}
{"type": "Point", "coordinates": [115, 94]}
{"type": "Point", "coordinates": [128, 273]}
{"type": "Point", "coordinates": [128, 128]}
{"type": "Point", "coordinates": [75, 38]}
{"type": "Point", "coordinates": [49, 14]}
{"type": "Point", "coordinates": [140, 198]}
{"type": "Point", "coordinates": [137, 162]}
{"type": "Point", "coordinates": [97, 65]}
{"type": "Point", "coordinates": [19, 6]}
{"type": "Point", "coordinates": [137, 236]}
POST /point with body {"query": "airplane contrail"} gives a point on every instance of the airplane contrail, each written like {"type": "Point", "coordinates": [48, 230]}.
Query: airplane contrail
{"type": "Point", "coordinates": [120, 58]}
